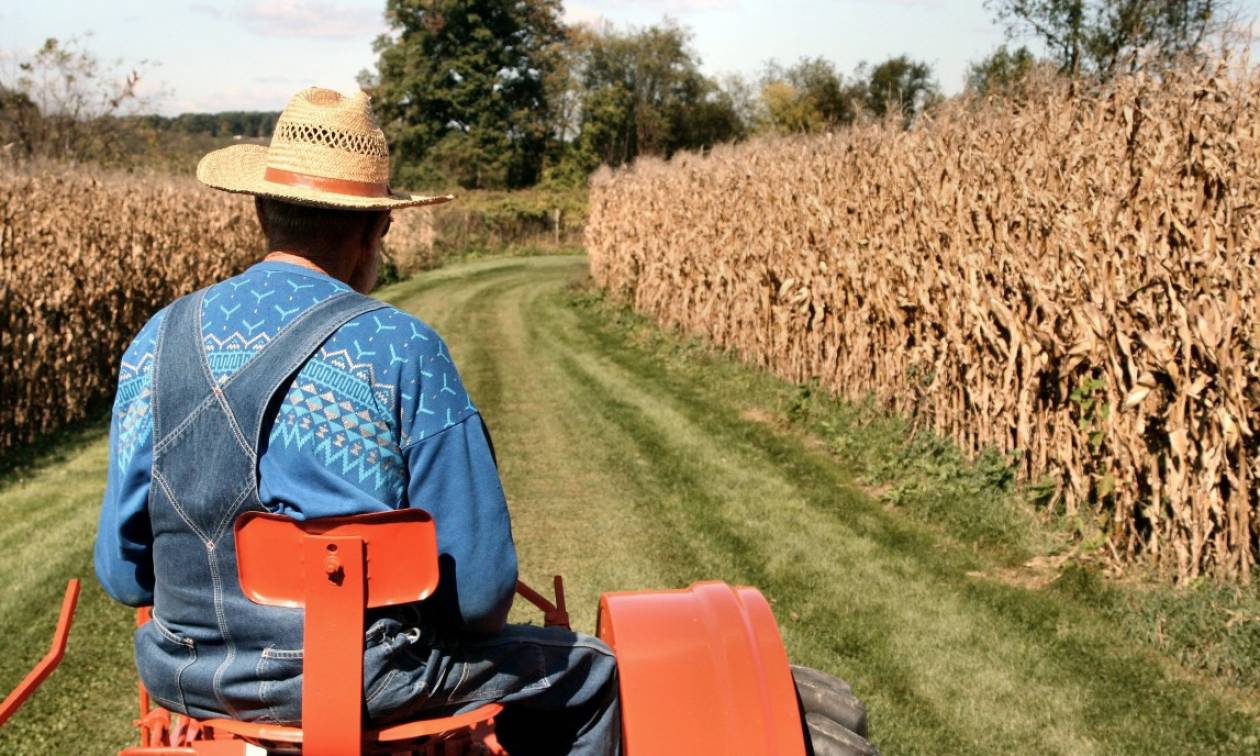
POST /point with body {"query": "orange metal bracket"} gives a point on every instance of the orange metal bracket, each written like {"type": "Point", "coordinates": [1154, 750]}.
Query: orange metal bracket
{"type": "Point", "coordinates": [554, 615]}
{"type": "Point", "coordinates": [51, 659]}
{"type": "Point", "coordinates": [332, 667]}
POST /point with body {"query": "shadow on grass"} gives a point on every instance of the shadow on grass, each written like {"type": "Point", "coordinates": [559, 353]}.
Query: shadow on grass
{"type": "Point", "coordinates": [55, 447]}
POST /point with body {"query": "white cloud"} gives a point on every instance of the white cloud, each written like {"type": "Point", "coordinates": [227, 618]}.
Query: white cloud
{"type": "Point", "coordinates": [576, 13]}
{"type": "Point", "coordinates": [247, 97]}
{"type": "Point", "coordinates": [597, 12]}
{"type": "Point", "coordinates": [683, 6]}
{"type": "Point", "coordinates": [665, 6]}
{"type": "Point", "coordinates": [206, 9]}
{"type": "Point", "coordinates": [302, 20]}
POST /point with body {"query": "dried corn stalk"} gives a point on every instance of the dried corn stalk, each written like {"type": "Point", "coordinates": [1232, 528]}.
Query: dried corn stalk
{"type": "Point", "coordinates": [85, 259]}
{"type": "Point", "coordinates": [1073, 278]}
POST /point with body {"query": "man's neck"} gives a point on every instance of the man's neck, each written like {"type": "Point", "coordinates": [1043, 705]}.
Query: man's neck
{"type": "Point", "coordinates": [303, 261]}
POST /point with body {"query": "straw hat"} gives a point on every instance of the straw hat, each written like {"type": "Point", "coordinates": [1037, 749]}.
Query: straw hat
{"type": "Point", "coordinates": [326, 151]}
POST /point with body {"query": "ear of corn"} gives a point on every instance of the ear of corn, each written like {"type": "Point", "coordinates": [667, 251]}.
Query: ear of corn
{"type": "Point", "coordinates": [1072, 279]}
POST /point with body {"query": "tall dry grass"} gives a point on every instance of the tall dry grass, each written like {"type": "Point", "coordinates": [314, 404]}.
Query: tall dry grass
{"type": "Point", "coordinates": [1072, 278]}
{"type": "Point", "coordinates": [85, 258]}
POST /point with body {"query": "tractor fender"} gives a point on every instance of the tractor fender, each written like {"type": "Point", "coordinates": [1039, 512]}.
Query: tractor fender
{"type": "Point", "coordinates": [702, 670]}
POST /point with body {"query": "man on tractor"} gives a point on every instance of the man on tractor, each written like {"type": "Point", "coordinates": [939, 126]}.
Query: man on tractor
{"type": "Point", "coordinates": [287, 389]}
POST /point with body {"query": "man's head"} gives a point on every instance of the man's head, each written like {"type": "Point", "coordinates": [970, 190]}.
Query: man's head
{"type": "Point", "coordinates": [322, 183]}
{"type": "Point", "coordinates": [346, 243]}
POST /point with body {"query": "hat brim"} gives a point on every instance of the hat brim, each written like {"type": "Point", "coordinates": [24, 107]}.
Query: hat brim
{"type": "Point", "coordinates": [241, 167]}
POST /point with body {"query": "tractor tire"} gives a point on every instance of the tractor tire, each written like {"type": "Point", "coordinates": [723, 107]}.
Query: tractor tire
{"type": "Point", "coordinates": [834, 719]}
{"type": "Point", "coordinates": [830, 697]}
{"type": "Point", "coordinates": [826, 738]}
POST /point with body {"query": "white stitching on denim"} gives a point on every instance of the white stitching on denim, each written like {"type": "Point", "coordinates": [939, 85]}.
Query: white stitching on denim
{"type": "Point", "coordinates": [188, 645]}
{"type": "Point", "coordinates": [380, 687]}
{"type": "Point", "coordinates": [179, 675]}
{"type": "Point", "coordinates": [230, 514]}
{"type": "Point", "coordinates": [248, 448]}
{"type": "Point", "coordinates": [197, 300]}
{"type": "Point", "coordinates": [221, 619]}
{"type": "Point", "coordinates": [485, 693]}
{"type": "Point", "coordinates": [178, 431]}
{"type": "Point", "coordinates": [215, 391]}
{"type": "Point", "coordinates": [271, 652]}
{"type": "Point", "coordinates": [179, 510]}
{"type": "Point", "coordinates": [270, 716]}
{"type": "Point", "coordinates": [166, 632]}
{"type": "Point", "coordinates": [173, 434]}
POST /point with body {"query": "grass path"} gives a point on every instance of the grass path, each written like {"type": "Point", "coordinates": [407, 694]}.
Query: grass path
{"type": "Point", "coordinates": [629, 466]}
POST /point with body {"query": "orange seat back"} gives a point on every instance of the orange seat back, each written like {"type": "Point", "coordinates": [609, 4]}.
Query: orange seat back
{"type": "Point", "coordinates": [336, 568]}
{"type": "Point", "coordinates": [400, 551]}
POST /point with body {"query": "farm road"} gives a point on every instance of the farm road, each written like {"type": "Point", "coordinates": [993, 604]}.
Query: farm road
{"type": "Point", "coordinates": [629, 468]}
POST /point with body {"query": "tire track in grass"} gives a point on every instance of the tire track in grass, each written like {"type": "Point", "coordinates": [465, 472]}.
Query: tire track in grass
{"type": "Point", "coordinates": [699, 540]}
{"type": "Point", "coordinates": [695, 492]}
{"type": "Point", "coordinates": [514, 380]}
{"type": "Point", "coordinates": [645, 463]}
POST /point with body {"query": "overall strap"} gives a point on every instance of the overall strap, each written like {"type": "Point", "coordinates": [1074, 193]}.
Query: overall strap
{"type": "Point", "coordinates": [251, 389]}
{"type": "Point", "coordinates": [181, 378]}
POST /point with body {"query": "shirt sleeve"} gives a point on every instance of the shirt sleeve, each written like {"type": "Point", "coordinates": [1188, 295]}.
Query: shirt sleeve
{"type": "Point", "coordinates": [453, 476]}
{"type": "Point", "coordinates": [123, 552]}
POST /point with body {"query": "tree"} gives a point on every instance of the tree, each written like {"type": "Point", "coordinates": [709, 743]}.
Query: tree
{"type": "Point", "coordinates": [899, 85]}
{"type": "Point", "coordinates": [64, 103]}
{"type": "Point", "coordinates": [1002, 72]}
{"type": "Point", "coordinates": [807, 97]}
{"type": "Point", "coordinates": [460, 89]}
{"type": "Point", "coordinates": [1099, 37]}
{"type": "Point", "coordinates": [642, 93]}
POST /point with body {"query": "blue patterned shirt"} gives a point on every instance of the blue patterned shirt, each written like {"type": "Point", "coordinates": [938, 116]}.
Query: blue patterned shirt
{"type": "Point", "coordinates": [376, 419]}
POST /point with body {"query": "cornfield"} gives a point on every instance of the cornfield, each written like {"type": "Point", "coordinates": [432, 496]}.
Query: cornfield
{"type": "Point", "coordinates": [1070, 279]}
{"type": "Point", "coordinates": [86, 257]}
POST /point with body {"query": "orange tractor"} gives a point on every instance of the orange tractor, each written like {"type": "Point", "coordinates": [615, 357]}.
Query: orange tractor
{"type": "Point", "coordinates": [702, 670]}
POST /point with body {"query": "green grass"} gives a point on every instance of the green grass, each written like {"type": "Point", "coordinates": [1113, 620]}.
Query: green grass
{"type": "Point", "coordinates": [635, 459]}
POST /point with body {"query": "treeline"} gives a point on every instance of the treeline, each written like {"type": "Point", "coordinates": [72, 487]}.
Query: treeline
{"type": "Point", "coordinates": [536, 101]}
{"type": "Point", "coordinates": [249, 124]}
{"type": "Point", "coordinates": [62, 104]}
{"type": "Point", "coordinates": [502, 94]}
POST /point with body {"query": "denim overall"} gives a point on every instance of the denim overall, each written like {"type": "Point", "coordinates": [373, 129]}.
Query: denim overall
{"type": "Point", "coordinates": [209, 651]}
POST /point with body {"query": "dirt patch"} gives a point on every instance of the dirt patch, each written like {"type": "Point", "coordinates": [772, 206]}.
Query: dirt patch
{"type": "Point", "coordinates": [780, 424]}
{"type": "Point", "coordinates": [1037, 572]}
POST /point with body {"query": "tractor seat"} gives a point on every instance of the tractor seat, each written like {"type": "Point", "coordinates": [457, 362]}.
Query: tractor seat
{"type": "Point", "coordinates": [336, 568]}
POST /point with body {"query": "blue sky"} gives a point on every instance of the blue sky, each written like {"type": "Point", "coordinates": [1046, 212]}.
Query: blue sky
{"type": "Point", "coordinates": [253, 54]}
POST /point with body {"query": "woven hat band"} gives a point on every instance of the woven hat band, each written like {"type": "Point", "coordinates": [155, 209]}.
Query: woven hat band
{"type": "Point", "coordinates": [324, 184]}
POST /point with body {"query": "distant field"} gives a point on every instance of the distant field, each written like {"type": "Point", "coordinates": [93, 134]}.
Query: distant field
{"type": "Point", "coordinates": [634, 460]}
